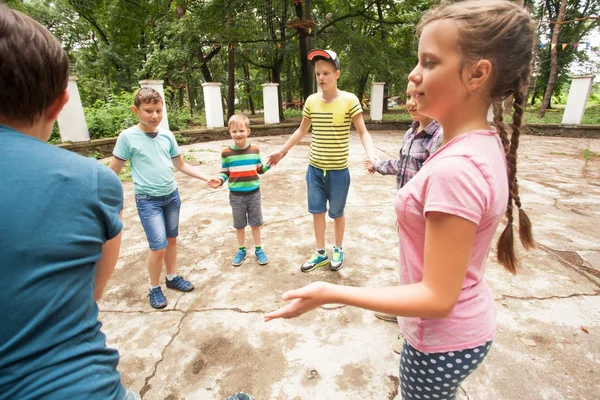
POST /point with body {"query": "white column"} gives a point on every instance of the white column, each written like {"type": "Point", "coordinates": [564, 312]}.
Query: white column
{"type": "Point", "coordinates": [271, 103]}
{"type": "Point", "coordinates": [213, 105]}
{"type": "Point", "coordinates": [577, 100]}
{"type": "Point", "coordinates": [377, 101]}
{"type": "Point", "coordinates": [71, 120]}
{"type": "Point", "coordinates": [158, 86]}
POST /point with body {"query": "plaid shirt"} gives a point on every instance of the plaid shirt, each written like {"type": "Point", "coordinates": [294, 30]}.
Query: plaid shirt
{"type": "Point", "coordinates": [415, 150]}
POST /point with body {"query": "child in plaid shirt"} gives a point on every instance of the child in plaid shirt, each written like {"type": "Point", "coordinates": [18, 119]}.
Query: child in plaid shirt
{"type": "Point", "coordinates": [422, 139]}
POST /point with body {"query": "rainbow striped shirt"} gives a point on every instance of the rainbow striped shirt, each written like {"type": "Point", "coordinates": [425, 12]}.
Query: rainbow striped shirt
{"type": "Point", "coordinates": [242, 167]}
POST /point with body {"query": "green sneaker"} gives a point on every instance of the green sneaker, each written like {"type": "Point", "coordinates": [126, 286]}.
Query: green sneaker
{"type": "Point", "coordinates": [337, 259]}
{"type": "Point", "coordinates": [317, 260]}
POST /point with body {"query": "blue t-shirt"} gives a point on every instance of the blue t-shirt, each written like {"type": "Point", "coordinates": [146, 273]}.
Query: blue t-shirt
{"type": "Point", "coordinates": [57, 210]}
{"type": "Point", "coordinates": [151, 165]}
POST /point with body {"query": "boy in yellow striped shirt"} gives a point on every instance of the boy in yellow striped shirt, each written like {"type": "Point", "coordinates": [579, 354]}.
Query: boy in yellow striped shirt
{"type": "Point", "coordinates": [331, 112]}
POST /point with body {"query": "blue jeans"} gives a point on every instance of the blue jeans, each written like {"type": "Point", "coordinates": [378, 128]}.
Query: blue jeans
{"type": "Point", "coordinates": [160, 217]}
{"type": "Point", "coordinates": [323, 186]}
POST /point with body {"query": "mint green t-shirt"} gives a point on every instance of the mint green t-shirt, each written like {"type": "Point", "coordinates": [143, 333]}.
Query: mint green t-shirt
{"type": "Point", "coordinates": [151, 160]}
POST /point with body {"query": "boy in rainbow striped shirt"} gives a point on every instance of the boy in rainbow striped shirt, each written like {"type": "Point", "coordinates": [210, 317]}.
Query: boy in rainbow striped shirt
{"type": "Point", "coordinates": [241, 164]}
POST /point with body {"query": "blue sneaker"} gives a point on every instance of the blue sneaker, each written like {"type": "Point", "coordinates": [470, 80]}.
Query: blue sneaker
{"type": "Point", "coordinates": [261, 257]}
{"type": "Point", "coordinates": [178, 283]}
{"type": "Point", "coordinates": [239, 258]}
{"type": "Point", "coordinates": [317, 260]}
{"type": "Point", "coordinates": [337, 259]}
{"type": "Point", "coordinates": [157, 298]}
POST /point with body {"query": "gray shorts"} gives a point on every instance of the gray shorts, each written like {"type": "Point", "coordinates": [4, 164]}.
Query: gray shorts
{"type": "Point", "coordinates": [246, 209]}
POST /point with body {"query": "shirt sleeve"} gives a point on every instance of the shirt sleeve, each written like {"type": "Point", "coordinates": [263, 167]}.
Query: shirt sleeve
{"type": "Point", "coordinates": [110, 198]}
{"type": "Point", "coordinates": [122, 149]}
{"type": "Point", "coordinates": [354, 106]}
{"type": "Point", "coordinates": [224, 167]}
{"type": "Point", "coordinates": [457, 186]}
{"type": "Point", "coordinates": [174, 145]}
{"type": "Point", "coordinates": [306, 109]}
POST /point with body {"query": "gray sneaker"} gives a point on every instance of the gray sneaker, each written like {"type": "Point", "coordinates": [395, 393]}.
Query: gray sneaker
{"type": "Point", "coordinates": [337, 259]}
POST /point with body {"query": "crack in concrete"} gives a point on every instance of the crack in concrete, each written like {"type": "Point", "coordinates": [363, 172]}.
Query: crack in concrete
{"type": "Point", "coordinates": [566, 258]}
{"type": "Point", "coordinates": [147, 385]}
{"type": "Point", "coordinates": [568, 296]}
{"type": "Point", "coordinates": [235, 309]}
{"type": "Point", "coordinates": [464, 391]}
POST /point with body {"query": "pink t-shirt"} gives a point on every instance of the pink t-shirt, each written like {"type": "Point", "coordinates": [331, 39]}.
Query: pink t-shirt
{"type": "Point", "coordinates": [466, 177]}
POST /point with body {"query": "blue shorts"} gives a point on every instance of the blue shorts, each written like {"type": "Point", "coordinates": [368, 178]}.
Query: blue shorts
{"type": "Point", "coordinates": [323, 186]}
{"type": "Point", "coordinates": [160, 217]}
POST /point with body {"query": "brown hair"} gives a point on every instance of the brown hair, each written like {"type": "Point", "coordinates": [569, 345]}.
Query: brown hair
{"type": "Point", "coordinates": [503, 33]}
{"type": "Point", "coordinates": [239, 119]}
{"type": "Point", "coordinates": [34, 69]}
{"type": "Point", "coordinates": [147, 95]}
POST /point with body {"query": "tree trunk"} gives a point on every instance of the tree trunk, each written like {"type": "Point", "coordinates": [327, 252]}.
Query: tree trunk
{"type": "Point", "coordinates": [248, 88]}
{"type": "Point", "coordinates": [230, 75]}
{"type": "Point", "coordinates": [304, 42]}
{"type": "Point", "coordinates": [554, 59]}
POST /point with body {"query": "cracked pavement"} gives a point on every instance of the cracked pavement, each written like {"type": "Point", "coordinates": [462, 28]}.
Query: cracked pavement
{"type": "Point", "coordinates": [212, 342]}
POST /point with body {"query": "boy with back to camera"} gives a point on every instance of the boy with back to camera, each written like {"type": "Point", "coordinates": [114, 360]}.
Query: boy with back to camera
{"type": "Point", "coordinates": [60, 233]}
{"type": "Point", "coordinates": [241, 166]}
{"type": "Point", "coordinates": [153, 153]}
{"type": "Point", "coordinates": [331, 113]}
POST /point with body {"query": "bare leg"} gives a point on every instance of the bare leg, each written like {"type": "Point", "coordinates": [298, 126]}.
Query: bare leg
{"type": "Point", "coordinates": [256, 235]}
{"type": "Point", "coordinates": [339, 228]}
{"type": "Point", "coordinates": [241, 236]}
{"type": "Point", "coordinates": [171, 256]}
{"type": "Point", "coordinates": [319, 225]}
{"type": "Point", "coordinates": [155, 262]}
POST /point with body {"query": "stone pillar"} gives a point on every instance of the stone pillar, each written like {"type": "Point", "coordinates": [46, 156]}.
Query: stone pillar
{"type": "Point", "coordinates": [271, 103]}
{"type": "Point", "coordinates": [577, 100]}
{"type": "Point", "coordinates": [158, 86]}
{"type": "Point", "coordinates": [377, 101]}
{"type": "Point", "coordinates": [213, 105]}
{"type": "Point", "coordinates": [71, 120]}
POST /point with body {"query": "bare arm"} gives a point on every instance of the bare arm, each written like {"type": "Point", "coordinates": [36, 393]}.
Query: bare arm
{"type": "Point", "coordinates": [365, 137]}
{"type": "Point", "coordinates": [188, 169]}
{"type": "Point", "coordinates": [298, 134]}
{"type": "Point", "coordinates": [116, 164]}
{"type": "Point", "coordinates": [446, 261]}
{"type": "Point", "coordinates": [106, 264]}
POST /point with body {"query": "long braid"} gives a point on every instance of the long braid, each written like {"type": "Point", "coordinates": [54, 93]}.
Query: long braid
{"type": "Point", "coordinates": [524, 223]}
{"type": "Point", "coordinates": [505, 246]}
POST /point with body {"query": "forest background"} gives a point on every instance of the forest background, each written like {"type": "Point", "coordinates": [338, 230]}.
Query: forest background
{"type": "Point", "coordinates": [113, 44]}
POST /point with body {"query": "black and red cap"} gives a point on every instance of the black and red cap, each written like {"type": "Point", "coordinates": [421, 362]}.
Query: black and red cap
{"type": "Point", "coordinates": [326, 55]}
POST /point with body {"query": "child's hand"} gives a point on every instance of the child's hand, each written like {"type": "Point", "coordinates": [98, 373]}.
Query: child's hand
{"type": "Point", "coordinates": [369, 166]}
{"type": "Point", "coordinates": [301, 300]}
{"type": "Point", "coordinates": [214, 183]}
{"type": "Point", "coordinates": [274, 158]}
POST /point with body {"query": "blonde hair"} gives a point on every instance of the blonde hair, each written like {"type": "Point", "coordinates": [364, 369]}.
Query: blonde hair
{"type": "Point", "coordinates": [503, 33]}
{"type": "Point", "coordinates": [239, 119]}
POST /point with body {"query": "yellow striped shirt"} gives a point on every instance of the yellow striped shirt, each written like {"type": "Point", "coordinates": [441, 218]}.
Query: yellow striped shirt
{"type": "Point", "coordinates": [331, 123]}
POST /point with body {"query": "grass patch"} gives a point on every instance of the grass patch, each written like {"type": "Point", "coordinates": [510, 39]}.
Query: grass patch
{"type": "Point", "coordinates": [555, 115]}
{"type": "Point", "coordinates": [588, 154]}
{"type": "Point", "coordinates": [191, 158]}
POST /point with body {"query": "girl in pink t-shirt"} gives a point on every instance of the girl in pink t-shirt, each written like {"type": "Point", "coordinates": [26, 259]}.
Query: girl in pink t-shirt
{"type": "Point", "coordinates": [471, 54]}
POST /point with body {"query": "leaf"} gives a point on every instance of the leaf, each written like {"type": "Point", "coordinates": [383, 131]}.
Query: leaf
{"type": "Point", "coordinates": [583, 328]}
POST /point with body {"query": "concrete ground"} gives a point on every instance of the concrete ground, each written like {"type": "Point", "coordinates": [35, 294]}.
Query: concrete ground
{"type": "Point", "coordinates": [212, 342]}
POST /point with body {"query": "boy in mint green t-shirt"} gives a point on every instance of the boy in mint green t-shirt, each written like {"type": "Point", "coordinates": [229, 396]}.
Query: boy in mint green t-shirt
{"type": "Point", "coordinates": [153, 152]}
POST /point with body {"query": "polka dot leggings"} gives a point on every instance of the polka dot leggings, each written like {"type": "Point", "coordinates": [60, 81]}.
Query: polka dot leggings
{"type": "Point", "coordinates": [437, 375]}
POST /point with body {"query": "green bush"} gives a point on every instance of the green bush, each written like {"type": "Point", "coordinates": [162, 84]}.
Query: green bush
{"type": "Point", "coordinates": [107, 119]}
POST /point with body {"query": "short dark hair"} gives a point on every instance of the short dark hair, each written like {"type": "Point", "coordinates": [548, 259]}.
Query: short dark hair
{"type": "Point", "coordinates": [34, 69]}
{"type": "Point", "coordinates": [147, 95]}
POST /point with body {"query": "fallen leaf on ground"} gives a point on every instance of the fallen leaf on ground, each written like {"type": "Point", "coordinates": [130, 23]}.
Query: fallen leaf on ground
{"type": "Point", "coordinates": [583, 328]}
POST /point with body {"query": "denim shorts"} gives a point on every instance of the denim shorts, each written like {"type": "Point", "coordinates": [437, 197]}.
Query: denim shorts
{"type": "Point", "coordinates": [323, 186]}
{"type": "Point", "coordinates": [160, 217]}
{"type": "Point", "coordinates": [246, 209]}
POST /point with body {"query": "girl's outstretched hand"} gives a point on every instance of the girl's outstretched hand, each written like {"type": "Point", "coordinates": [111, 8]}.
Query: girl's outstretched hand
{"type": "Point", "coordinates": [302, 300]}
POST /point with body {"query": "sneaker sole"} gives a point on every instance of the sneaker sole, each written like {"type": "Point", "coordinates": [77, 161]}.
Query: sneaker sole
{"type": "Point", "coordinates": [319, 265]}
{"type": "Point", "coordinates": [332, 268]}
{"type": "Point", "coordinates": [241, 262]}
{"type": "Point", "coordinates": [159, 307]}
{"type": "Point", "coordinates": [265, 263]}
